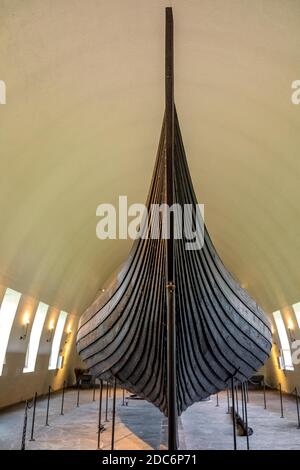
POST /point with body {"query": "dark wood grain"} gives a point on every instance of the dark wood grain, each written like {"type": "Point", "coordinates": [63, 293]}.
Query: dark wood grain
{"type": "Point", "coordinates": [217, 330]}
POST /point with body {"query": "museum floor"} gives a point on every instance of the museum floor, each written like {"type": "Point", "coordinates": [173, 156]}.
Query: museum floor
{"type": "Point", "coordinates": [141, 426]}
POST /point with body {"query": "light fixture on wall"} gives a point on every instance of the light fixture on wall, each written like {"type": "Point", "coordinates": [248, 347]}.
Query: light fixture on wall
{"type": "Point", "coordinates": [26, 321]}
{"type": "Point", "coordinates": [50, 331]}
{"type": "Point", "coordinates": [68, 333]}
{"type": "Point", "coordinates": [291, 330]}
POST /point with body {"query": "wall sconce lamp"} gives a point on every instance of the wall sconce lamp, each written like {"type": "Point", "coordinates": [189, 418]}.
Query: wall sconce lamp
{"type": "Point", "coordinates": [68, 334]}
{"type": "Point", "coordinates": [26, 321]}
{"type": "Point", "coordinates": [50, 331]}
{"type": "Point", "coordinates": [291, 331]}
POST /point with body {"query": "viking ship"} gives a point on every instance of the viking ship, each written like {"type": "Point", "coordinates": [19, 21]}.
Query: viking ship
{"type": "Point", "coordinates": [173, 325]}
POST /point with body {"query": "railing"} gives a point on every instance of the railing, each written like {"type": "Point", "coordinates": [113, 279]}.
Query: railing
{"type": "Point", "coordinates": [241, 418]}
{"type": "Point", "coordinates": [32, 403]}
{"type": "Point", "coordinates": [237, 405]}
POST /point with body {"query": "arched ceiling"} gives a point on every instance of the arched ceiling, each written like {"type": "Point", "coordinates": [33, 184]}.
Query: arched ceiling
{"type": "Point", "coordinates": [85, 99]}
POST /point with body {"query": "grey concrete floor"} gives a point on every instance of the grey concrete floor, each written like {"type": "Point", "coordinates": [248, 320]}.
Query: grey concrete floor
{"type": "Point", "coordinates": [141, 426]}
{"type": "Point", "coordinates": [207, 426]}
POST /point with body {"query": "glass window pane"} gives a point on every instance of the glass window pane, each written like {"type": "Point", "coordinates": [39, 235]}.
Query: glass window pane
{"type": "Point", "coordinates": [284, 341]}
{"type": "Point", "coordinates": [35, 337]}
{"type": "Point", "coordinates": [7, 314]}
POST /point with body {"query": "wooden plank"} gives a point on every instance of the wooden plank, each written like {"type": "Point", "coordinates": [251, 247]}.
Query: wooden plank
{"type": "Point", "coordinates": [170, 274]}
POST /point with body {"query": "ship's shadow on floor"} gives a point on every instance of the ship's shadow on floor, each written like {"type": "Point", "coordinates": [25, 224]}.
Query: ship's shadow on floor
{"type": "Point", "coordinates": [144, 420]}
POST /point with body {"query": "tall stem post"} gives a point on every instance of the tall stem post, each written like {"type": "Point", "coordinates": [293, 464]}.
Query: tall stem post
{"type": "Point", "coordinates": [170, 274]}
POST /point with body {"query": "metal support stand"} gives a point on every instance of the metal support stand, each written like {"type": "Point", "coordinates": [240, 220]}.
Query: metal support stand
{"type": "Point", "coordinates": [24, 427]}
{"type": "Point", "coordinates": [217, 400]}
{"type": "Point", "coordinates": [123, 397]}
{"type": "Point", "coordinates": [243, 397]}
{"type": "Point", "coordinates": [33, 417]}
{"type": "Point", "coordinates": [171, 381]}
{"type": "Point", "coordinates": [78, 392]}
{"type": "Point", "coordinates": [281, 402]}
{"type": "Point", "coordinates": [297, 404]}
{"type": "Point", "coordinates": [48, 404]}
{"type": "Point", "coordinates": [113, 416]}
{"type": "Point", "coordinates": [94, 390]}
{"type": "Point", "coordinates": [100, 412]}
{"type": "Point", "coordinates": [245, 413]}
{"type": "Point", "coordinates": [233, 413]}
{"type": "Point", "coordinates": [228, 404]}
{"type": "Point", "coordinates": [63, 398]}
{"type": "Point", "coordinates": [265, 398]}
{"type": "Point", "coordinates": [237, 399]}
{"type": "Point", "coordinates": [28, 405]}
{"type": "Point", "coordinates": [23, 443]}
{"type": "Point", "coordinates": [106, 403]}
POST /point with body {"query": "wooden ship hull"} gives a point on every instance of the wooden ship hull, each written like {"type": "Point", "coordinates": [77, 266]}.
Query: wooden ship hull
{"type": "Point", "coordinates": [173, 325]}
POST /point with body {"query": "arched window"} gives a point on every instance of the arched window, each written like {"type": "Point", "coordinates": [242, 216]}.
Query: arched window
{"type": "Point", "coordinates": [8, 310]}
{"type": "Point", "coordinates": [286, 355]}
{"type": "Point", "coordinates": [35, 337]}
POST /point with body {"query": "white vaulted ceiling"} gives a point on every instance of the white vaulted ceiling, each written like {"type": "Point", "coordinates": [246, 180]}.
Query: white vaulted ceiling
{"type": "Point", "coordinates": [85, 100]}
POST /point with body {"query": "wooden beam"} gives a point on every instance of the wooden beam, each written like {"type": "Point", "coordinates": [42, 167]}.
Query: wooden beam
{"type": "Point", "coordinates": [170, 274]}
